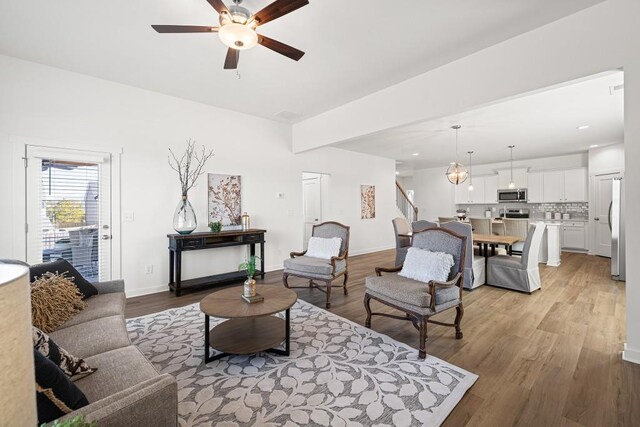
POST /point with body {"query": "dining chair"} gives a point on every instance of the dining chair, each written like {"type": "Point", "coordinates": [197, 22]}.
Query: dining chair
{"type": "Point", "coordinates": [444, 219]}
{"type": "Point", "coordinates": [474, 265]}
{"type": "Point", "coordinates": [518, 227]}
{"type": "Point", "coordinates": [401, 226]}
{"type": "Point", "coordinates": [520, 273]}
{"type": "Point", "coordinates": [422, 224]}
{"type": "Point", "coordinates": [481, 225]}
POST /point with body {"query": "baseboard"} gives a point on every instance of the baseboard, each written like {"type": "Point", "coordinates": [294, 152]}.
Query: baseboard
{"type": "Point", "coordinates": [145, 291]}
{"type": "Point", "coordinates": [369, 251]}
{"type": "Point", "coordinates": [630, 355]}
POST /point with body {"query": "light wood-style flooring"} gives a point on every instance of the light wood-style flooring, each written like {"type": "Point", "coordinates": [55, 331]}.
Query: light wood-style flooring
{"type": "Point", "coordinates": [552, 358]}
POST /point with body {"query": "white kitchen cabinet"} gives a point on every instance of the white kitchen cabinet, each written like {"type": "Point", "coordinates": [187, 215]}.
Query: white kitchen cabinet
{"type": "Point", "coordinates": [535, 187]}
{"type": "Point", "coordinates": [553, 187]}
{"type": "Point", "coordinates": [576, 182]}
{"type": "Point", "coordinates": [519, 178]}
{"type": "Point", "coordinates": [491, 189]}
{"type": "Point", "coordinates": [562, 186]}
{"type": "Point", "coordinates": [485, 191]}
{"type": "Point", "coordinates": [574, 235]}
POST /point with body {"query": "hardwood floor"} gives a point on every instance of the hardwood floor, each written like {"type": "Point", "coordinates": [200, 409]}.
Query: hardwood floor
{"type": "Point", "coordinates": [547, 359]}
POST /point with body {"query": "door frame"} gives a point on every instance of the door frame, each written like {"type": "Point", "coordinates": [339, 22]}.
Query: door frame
{"type": "Point", "coordinates": [592, 199]}
{"type": "Point", "coordinates": [19, 190]}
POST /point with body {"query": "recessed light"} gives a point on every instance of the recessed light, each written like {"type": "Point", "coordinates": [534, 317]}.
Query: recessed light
{"type": "Point", "coordinates": [583, 127]}
{"type": "Point", "coordinates": [415, 154]}
{"type": "Point", "coordinates": [397, 173]}
{"type": "Point", "coordinates": [594, 146]}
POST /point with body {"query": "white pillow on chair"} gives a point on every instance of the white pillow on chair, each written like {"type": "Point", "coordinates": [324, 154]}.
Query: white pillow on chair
{"type": "Point", "coordinates": [424, 266]}
{"type": "Point", "coordinates": [320, 247]}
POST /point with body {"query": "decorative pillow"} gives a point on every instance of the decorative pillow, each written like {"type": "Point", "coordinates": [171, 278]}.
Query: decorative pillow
{"type": "Point", "coordinates": [62, 266]}
{"type": "Point", "coordinates": [54, 300]}
{"type": "Point", "coordinates": [320, 247]}
{"type": "Point", "coordinates": [424, 266]}
{"type": "Point", "coordinates": [73, 367]}
{"type": "Point", "coordinates": [56, 395]}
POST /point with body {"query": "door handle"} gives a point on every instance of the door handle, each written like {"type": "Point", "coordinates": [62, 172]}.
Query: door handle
{"type": "Point", "coordinates": [596, 219]}
{"type": "Point", "coordinates": [106, 237]}
{"type": "Point", "coordinates": [610, 207]}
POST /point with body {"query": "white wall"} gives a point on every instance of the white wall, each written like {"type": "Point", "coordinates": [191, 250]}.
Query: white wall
{"type": "Point", "coordinates": [65, 109]}
{"type": "Point", "coordinates": [606, 159]}
{"type": "Point", "coordinates": [435, 196]}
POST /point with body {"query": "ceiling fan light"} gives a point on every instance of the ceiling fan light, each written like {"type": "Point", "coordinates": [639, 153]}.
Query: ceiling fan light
{"type": "Point", "coordinates": [238, 36]}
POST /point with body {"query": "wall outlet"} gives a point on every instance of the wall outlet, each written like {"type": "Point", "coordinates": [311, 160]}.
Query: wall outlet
{"type": "Point", "coordinates": [128, 217]}
{"type": "Point", "coordinates": [279, 195]}
{"type": "Point", "coordinates": [148, 269]}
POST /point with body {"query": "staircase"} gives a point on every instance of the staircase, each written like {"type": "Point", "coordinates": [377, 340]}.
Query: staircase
{"type": "Point", "coordinates": [406, 206]}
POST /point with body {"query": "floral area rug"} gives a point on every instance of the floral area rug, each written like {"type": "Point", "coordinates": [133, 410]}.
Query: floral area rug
{"type": "Point", "coordinates": [338, 374]}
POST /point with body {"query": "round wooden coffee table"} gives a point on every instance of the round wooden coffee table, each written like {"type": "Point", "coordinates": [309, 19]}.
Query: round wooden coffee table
{"type": "Point", "coordinates": [251, 328]}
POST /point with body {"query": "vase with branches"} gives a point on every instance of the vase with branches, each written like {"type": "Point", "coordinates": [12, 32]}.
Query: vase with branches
{"type": "Point", "coordinates": [189, 167]}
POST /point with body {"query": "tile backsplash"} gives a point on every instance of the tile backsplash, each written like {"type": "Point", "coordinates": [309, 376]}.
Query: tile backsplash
{"type": "Point", "coordinates": [536, 210]}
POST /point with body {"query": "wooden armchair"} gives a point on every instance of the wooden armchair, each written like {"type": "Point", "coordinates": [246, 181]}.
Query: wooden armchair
{"type": "Point", "coordinates": [418, 300]}
{"type": "Point", "coordinates": [319, 269]}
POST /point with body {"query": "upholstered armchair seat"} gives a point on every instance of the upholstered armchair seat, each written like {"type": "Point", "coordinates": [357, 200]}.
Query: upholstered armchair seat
{"type": "Point", "coordinates": [401, 290]}
{"type": "Point", "coordinates": [421, 300]}
{"type": "Point", "coordinates": [322, 268]}
{"type": "Point", "coordinates": [324, 271]}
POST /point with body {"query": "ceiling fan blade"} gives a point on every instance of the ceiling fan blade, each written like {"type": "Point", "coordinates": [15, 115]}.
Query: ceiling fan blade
{"type": "Point", "coordinates": [277, 9]}
{"type": "Point", "coordinates": [184, 29]}
{"type": "Point", "coordinates": [281, 48]}
{"type": "Point", "coordinates": [218, 6]}
{"type": "Point", "coordinates": [231, 61]}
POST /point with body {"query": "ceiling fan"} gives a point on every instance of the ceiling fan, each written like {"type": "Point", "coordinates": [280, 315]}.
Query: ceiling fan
{"type": "Point", "coordinates": [237, 28]}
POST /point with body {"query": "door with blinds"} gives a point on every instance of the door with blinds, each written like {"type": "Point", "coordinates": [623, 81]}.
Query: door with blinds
{"type": "Point", "coordinates": [68, 209]}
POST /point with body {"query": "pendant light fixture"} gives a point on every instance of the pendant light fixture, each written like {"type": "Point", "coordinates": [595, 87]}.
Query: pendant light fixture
{"type": "Point", "coordinates": [456, 173]}
{"type": "Point", "coordinates": [470, 175]}
{"type": "Point", "coordinates": [512, 184]}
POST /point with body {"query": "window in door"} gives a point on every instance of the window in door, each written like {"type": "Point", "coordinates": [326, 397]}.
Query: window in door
{"type": "Point", "coordinates": [68, 209]}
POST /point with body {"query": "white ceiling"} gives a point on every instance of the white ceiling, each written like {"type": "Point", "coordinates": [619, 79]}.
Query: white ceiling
{"type": "Point", "coordinates": [354, 47]}
{"type": "Point", "coordinates": [542, 124]}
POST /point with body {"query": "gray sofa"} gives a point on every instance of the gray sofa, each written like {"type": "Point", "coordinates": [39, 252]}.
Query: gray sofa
{"type": "Point", "coordinates": [126, 390]}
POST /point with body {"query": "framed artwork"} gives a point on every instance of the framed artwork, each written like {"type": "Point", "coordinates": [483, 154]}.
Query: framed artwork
{"type": "Point", "coordinates": [367, 201]}
{"type": "Point", "coordinates": [224, 199]}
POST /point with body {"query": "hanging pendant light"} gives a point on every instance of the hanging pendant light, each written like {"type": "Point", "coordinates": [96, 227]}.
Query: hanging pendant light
{"type": "Point", "coordinates": [512, 184]}
{"type": "Point", "coordinates": [470, 176]}
{"type": "Point", "coordinates": [456, 173]}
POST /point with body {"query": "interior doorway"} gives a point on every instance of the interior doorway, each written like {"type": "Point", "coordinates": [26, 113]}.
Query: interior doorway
{"type": "Point", "coordinates": [602, 198]}
{"type": "Point", "coordinates": [315, 201]}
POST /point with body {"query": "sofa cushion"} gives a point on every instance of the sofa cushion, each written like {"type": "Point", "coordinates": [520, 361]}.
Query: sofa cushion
{"type": "Point", "coordinates": [71, 365]}
{"type": "Point", "coordinates": [56, 395]}
{"type": "Point", "coordinates": [93, 337]}
{"type": "Point", "coordinates": [98, 306]}
{"type": "Point", "coordinates": [311, 266]}
{"type": "Point", "coordinates": [62, 266]}
{"type": "Point", "coordinates": [117, 370]}
{"type": "Point", "coordinates": [54, 300]}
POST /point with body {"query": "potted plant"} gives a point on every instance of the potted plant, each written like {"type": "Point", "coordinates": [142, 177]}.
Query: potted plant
{"type": "Point", "coordinates": [250, 283]}
{"type": "Point", "coordinates": [215, 226]}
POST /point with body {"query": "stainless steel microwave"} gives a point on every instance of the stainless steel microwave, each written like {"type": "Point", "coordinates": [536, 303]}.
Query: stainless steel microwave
{"type": "Point", "coordinates": [512, 196]}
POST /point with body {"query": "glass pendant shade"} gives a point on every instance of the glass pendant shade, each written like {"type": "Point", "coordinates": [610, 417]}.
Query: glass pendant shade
{"type": "Point", "coordinates": [457, 173]}
{"type": "Point", "coordinates": [184, 218]}
{"type": "Point", "coordinates": [238, 36]}
{"type": "Point", "coordinates": [470, 187]}
{"type": "Point", "coordinates": [512, 185]}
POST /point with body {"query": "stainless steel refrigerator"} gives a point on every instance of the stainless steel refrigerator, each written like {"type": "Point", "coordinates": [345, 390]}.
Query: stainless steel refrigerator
{"type": "Point", "coordinates": [616, 223]}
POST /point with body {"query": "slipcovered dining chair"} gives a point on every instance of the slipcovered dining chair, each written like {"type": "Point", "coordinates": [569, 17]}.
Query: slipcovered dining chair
{"type": "Point", "coordinates": [474, 265]}
{"type": "Point", "coordinates": [481, 225]}
{"type": "Point", "coordinates": [321, 269]}
{"type": "Point", "coordinates": [421, 225]}
{"type": "Point", "coordinates": [518, 227]}
{"type": "Point", "coordinates": [401, 226]}
{"type": "Point", "coordinates": [422, 300]}
{"type": "Point", "coordinates": [445, 219]}
{"type": "Point", "coordinates": [519, 273]}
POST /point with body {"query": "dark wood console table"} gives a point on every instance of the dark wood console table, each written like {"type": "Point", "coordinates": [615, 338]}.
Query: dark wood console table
{"type": "Point", "coordinates": [179, 243]}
